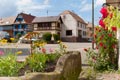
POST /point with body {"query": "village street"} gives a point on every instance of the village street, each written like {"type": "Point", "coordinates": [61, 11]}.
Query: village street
{"type": "Point", "coordinates": [25, 48]}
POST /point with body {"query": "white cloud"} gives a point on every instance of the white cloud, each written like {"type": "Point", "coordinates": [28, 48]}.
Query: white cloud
{"type": "Point", "coordinates": [46, 2]}
{"type": "Point", "coordinates": [13, 7]}
{"type": "Point", "coordinates": [86, 7]}
{"type": "Point", "coordinates": [31, 5]}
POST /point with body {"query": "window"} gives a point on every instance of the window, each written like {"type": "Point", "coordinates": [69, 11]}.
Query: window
{"type": "Point", "coordinates": [68, 32]}
{"type": "Point", "coordinates": [84, 33]}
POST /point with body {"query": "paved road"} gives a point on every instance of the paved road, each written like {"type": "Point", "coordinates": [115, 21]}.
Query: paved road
{"type": "Point", "coordinates": [25, 48]}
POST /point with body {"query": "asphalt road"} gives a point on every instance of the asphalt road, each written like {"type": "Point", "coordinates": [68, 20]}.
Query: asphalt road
{"type": "Point", "coordinates": [25, 48]}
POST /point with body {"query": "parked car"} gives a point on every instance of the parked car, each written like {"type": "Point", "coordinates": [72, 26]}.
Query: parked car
{"type": "Point", "coordinates": [90, 40]}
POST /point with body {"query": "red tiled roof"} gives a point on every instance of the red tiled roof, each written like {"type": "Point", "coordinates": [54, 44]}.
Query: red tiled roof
{"type": "Point", "coordinates": [28, 18]}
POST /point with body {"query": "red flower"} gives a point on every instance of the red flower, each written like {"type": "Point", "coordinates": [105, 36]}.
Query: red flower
{"type": "Point", "coordinates": [104, 12]}
{"type": "Point", "coordinates": [106, 28]}
{"type": "Point", "coordinates": [96, 29]}
{"type": "Point", "coordinates": [101, 37]}
{"type": "Point", "coordinates": [114, 28]}
{"type": "Point", "coordinates": [110, 35]}
{"type": "Point", "coordinates": [94, 57]}
{"type": "Point", "coordinates": [43, 50]}
{"type": "Point", "coordinates": [99, 30]}
{"type": "Point", "coordinates": [101, 23]}
{"type": "Point", "coordinates": [101, 44]}
{"type": "Point", "coordinates": [105, 47]}
{"type": "Point", "coordinates": [85, 50]}
{"type": "Point", "coordinates": [113, 46]}
{"type": "Point", "coordinates": [95, 36]}
{"type": "Point", "coordinates": [111, 15]}
{"type": "Point", "coordinates": [96, 47]}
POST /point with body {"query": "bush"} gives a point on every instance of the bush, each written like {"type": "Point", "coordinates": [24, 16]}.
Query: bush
{"type": "Point", "coordinates": [56, 37]}
{"type": "Point", "coordinates": [18, 35]}
{"type": "Point", "coordinates": [47, 37]}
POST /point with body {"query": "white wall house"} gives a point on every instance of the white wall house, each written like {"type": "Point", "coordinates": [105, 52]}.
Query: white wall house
{"type": "Point", "coordinates": [73, 27]}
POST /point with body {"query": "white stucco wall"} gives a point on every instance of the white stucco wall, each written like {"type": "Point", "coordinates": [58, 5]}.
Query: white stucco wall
{"type": "Point", "coordinates": [69, 23]}
{"type": "Point", "coordinates": [83, 28]}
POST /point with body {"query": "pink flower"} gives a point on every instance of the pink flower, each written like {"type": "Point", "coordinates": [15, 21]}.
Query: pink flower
{"type": "Point", "coordinates": [101, 23]}
{"type": "Point", "coordinates": [1, 53]}
{"type": "Point", "coordinates": [104, 12]}
{"type": "Point", "coordinates": [51, 50]}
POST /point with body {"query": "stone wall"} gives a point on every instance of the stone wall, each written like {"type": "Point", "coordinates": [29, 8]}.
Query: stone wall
{"type": "Point", "coordinates": [68, 67]}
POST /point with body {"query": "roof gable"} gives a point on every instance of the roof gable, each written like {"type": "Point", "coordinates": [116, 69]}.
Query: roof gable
{"type": "Point", "coordinates": [27, 18]}
{"type": "Point", "coordinates": [74, 16]}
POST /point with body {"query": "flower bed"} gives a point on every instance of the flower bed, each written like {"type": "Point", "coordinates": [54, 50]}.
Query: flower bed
{"type": "Point", "coordinates": [68, 67]}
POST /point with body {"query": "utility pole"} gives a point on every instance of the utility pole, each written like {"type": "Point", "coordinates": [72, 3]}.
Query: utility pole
{"type": "Point", "coordinates": [47, 12]}
{"type": "Point", "coordinates": [92, 24]}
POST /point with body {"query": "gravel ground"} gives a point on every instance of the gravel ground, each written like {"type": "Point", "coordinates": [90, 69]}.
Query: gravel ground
{"type": "Point", "coordinates": [109, 76]}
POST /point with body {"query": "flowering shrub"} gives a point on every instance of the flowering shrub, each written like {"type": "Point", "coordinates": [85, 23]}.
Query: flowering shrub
{"type": "Point", "coordinates": [105, 39]}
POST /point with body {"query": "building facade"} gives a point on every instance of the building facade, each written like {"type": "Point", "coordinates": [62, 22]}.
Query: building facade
{"type": "Point", "coordinates": [6, 24]}
{"type": "Point", "coordinates": [51, 24]}
{"type": "Point", "coordinates": [23, 24]}
{"type": "Point", "coordinates": [73, 27]}
{"type": "Point", "coordinates": [68, 25]}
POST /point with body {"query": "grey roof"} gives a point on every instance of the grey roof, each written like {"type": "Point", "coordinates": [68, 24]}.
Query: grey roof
{"type": "Point", "coordinates": [46, 19]}
{"type": "Point", "coordinates": [7, 20]}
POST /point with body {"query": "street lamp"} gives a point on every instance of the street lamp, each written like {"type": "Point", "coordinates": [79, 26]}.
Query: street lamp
{"type": "Point", "coordinates": [92, 24]}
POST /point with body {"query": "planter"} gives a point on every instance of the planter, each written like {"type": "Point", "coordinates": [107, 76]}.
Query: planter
{"type": "Point", "coordinates": [68, 67]}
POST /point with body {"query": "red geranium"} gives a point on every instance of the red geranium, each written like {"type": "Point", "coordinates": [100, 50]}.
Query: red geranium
{"type": "Point", "coordinates": [110, 35]}
{"type": "Point", "coordinates": [114, 28]}
{"type": "Point", "coordinates": [85, 50]}
{"type": "Point", "coordinates": [101, 44]}
{"type": "Point", "coordinates": [104, 12]}
{"type": "Point", "coordinates": [101, 23]}
{"type": "Point", "coordinates": [95, 36]}
{"type": "Point", "coordinates": [111, 15]}
{"type": "Point", "coordinates": [43, 50]}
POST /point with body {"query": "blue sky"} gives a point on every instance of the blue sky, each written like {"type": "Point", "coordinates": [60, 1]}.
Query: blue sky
{"type": "Point", "coordinates": [54, 7]}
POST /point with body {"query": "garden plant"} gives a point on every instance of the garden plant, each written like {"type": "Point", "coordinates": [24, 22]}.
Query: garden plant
{"type": "Point", "coordinates": [105, 56]}
{"type": "Point", "coordinates": [40, 60]}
